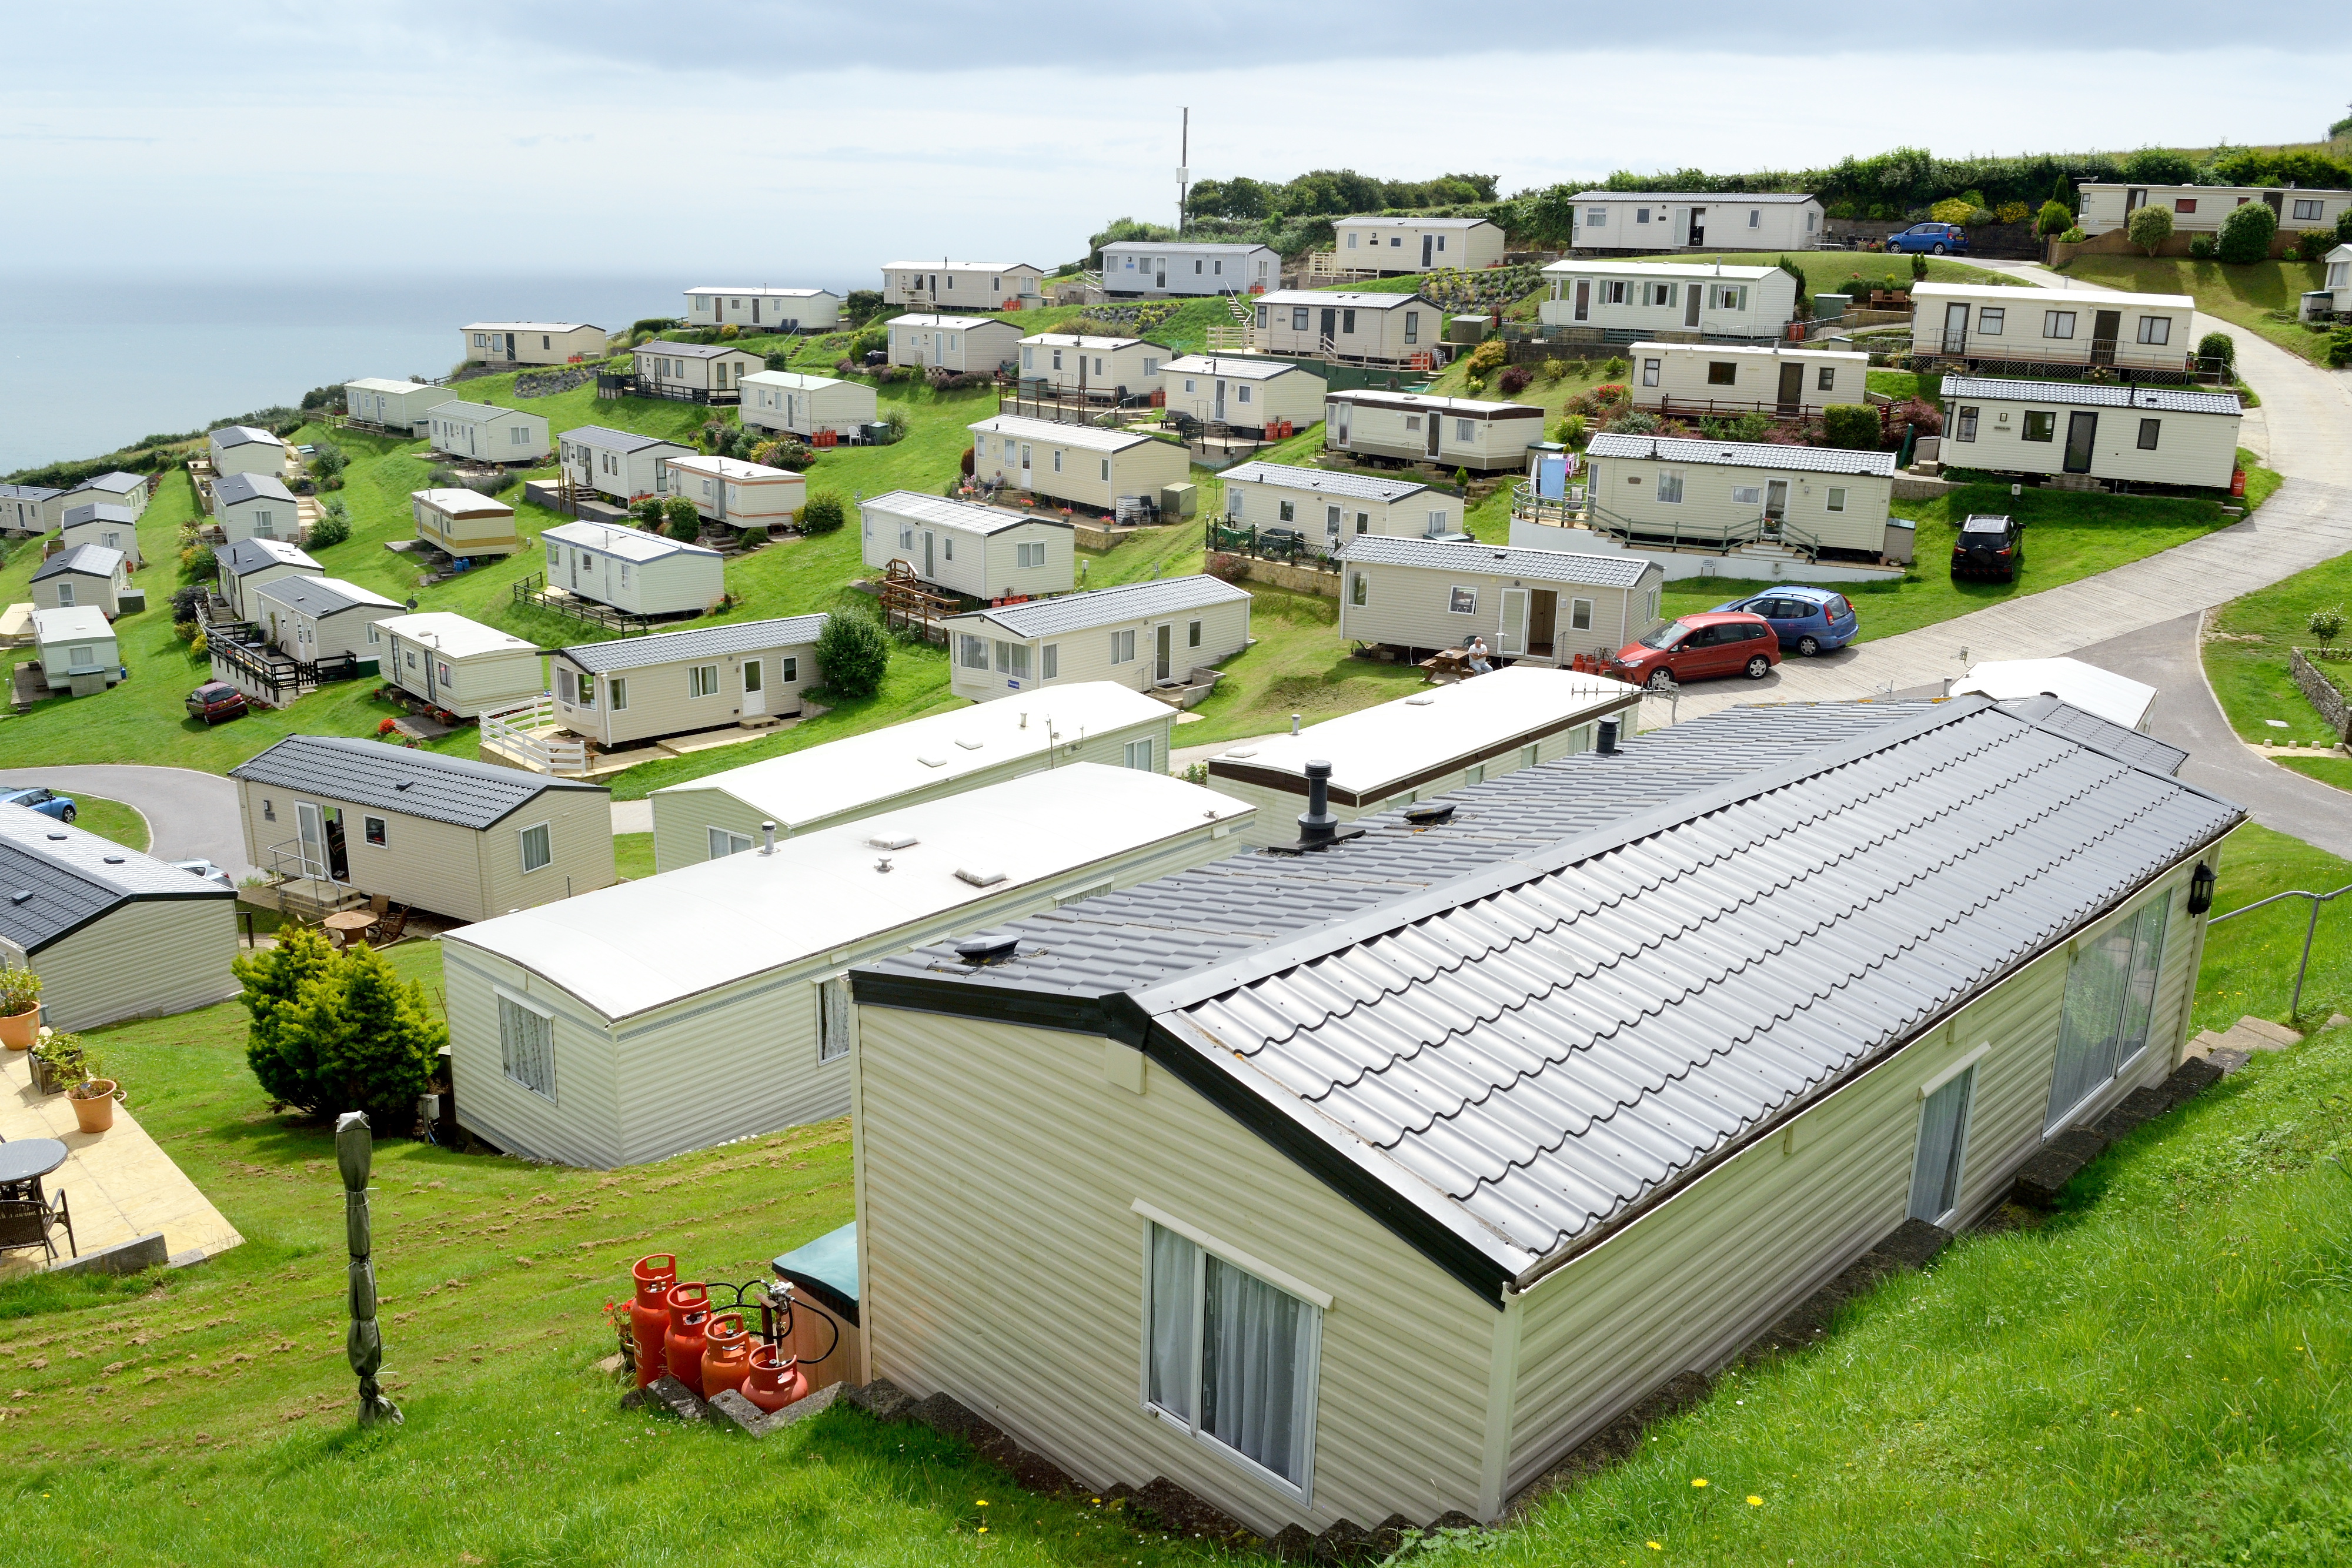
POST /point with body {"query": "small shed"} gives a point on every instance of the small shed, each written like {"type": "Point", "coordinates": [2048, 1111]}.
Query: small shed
{"type": "Point", "coordinates": [1449, 432]}
{"type": "Point", "coordinates": [1113, 368]}
{"type": "Point", "coordinates": [247, 564]}
{"type": "Point", "coordinates": [1157, 269]}
{"type": "Point", "coordinates": [532, 342]}
{"type": "Point", "coordinates": [1726, 380]}
{"type": "Point", "coordinates": [1092, 468]}
{"type": "Point", "coordinates": [465, 524]}
{"type": "Point", "coordinates": [1721, 492]}
{"type": "Point", "coordinates": [255, 507]}
{"type": "Point", "coordinates": [764, 309]}
{"type": "Point", "coordinates": [1982, 324]}
{"type": "Point", "coordinates": [1622, 300]}
{"type": "Point", "coordinates": [313, 618]}
{"type": "Point", "coordinates": [115, 489]}
{"type": "Point", "coordinates": [93, 523]}
{"type": "Point", "coordinates": [1393, 247]}
{"type": "Point", "coordinates": [702, 372]}
{"type": "Point", "coordinates": [618, 463]}
{"type": "Point", "coordinates": [243, 449]}
{"type": "Point", "coordinates": [1435, 741]}
{"type": "Point", "coordinates": [1246, 393]}
{"type": "Point", "coordinates": [459, 665]}
{"type": "Point", "coordinates": [84, 574]}
{"type": "Point", "coordinates": [31, 508]}
{"type": "Point", "coordinates": [397, 407]}
{"type": "Point", "coordinates": [489, 434]}
{"type": "Point", "coordinates": [564, 1020]}
{"type": "Point", "coordinates": [634, 571]}
{"type": "Point", "coordinates": [2125, 435]}
{"type": "Point", "coordinates": [1328, 504]}
{"type": "Point", "coordinates": [1645, 222]}
{"type": "Point", "coordinates": [634, 689]}
{"type": "Point", "coordinates": [741, 494]}
{"type": "Point", "coordinates": [1142, 634]}
{"type": "Point", "coordinates": [967, 548]}
{"type": "Point", "coordinates": [341, 819]}
{"type": "Point", "coordinates": [792, 404]}
{"type": "Point", "coordinates": [113, 933]}
{"type": "Point", "coordinates": [861, 776]}
{"type": "Point", "coordinates": [977, 345]}
{"type": "Point", "coordinates": [1389, 331]}
{"type": "Point", "coordinates": [960, 284]}
{"type": "Point", "coordinates": [77, 650]}
{"type": "Point", "coordinates": [1542, 605]}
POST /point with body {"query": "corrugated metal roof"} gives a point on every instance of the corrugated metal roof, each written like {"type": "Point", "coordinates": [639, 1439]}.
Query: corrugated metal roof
{"type": "Point", "coordinates": [1536, 565]}
{"type": "Point", "coordinates": [29, 493]}
{"type": "Point", "coordinates": [692, 350]}
{"type": "Point", "coordinates": [316, 596]}
{"type": "Point", "coordinates": [702, 642]}
{"type": "Point", "coordinates": [624, 543]}
{"type": "Point", "coordinates": [461, 409]}
{"type": "Point", "coordinates": [617, 440]}
{"type": "Point", "coordinates": [451, 789]}
{"type": "Point", "coordinates": [2085, 395]}
{"type": "Point", "coordinates": [1107, 606]}
{"type": "Point", "coordinates": [1232, 365]}
{"type": "Point", "coordinates": [2142, 750]}
{"type": "Point", "coordinates": [88, 560]}
{"type": "Point", "coordinates": [55, 879]}
{"type": "Point", "coordinates": [98, 512]}
{"type": "Point", "coordinates": [116, 483]}
{"type": "Point", "coordinates": [252, 555]}
{"type": "Point", "coordinates": [231, 488]}
{"type": "Point", "coordinates": [1325, 481]}
{"type": "Point", "coordinates": [946, 512]}
{"type": "Point", "coordinates": [229, 435]}
{"type": "Point", "coordinates": [1744, 455]}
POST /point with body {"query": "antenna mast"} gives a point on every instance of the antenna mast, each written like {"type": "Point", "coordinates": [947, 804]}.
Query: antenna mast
{"type": "Point", "coordinates": [1184, 173]}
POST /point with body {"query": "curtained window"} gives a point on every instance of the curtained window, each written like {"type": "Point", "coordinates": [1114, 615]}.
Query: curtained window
{"type": "Point", "coordinates": [2110, 1000]}
{"type": "Point", "coordinates": [1231, 1358]}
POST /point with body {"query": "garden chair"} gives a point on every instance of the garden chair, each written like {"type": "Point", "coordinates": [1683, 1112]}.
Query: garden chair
{"type": "Point", "coordinates": [27, 1222]}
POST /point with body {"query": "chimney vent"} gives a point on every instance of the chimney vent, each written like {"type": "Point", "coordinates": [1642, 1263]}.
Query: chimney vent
{"type": "Point", "coordinates": [988, 949]}
{"type": "Point", "coordinates": [1607, 746]}
{"type": "Point", "coordinates": [767, 838]}
{"type": "Point", "coordinates": [1317, 826]}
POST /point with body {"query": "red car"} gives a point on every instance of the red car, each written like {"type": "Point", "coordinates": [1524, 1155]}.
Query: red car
{"type": "Point", "coordinates": [1694, 647]}
{"type": "Point", "coordinates": [214, 700]}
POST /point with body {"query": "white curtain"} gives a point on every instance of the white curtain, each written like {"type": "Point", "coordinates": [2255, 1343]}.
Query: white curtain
{"type": "Point", "coordinates": [2139, 996]}
{"type": "Point", "coordinates": [1253, 1362]}
{"type": "Point", "coordinates": [2096, 983]}
{"type": "Point", "coordinates": [1175, 1287]}
{"type": "Point", "coordinates": [1935, 1170]}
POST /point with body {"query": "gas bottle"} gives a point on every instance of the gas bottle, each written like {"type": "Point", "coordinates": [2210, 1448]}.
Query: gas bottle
{"type": "Point", "coordinates": [726, 1355]}
{"type": "Point", "coordinates": [775, 1379]}
{"type": "Point", "coordinates": [689, 1312]}
{"type": "Point", "coordinates": [650, 1314]}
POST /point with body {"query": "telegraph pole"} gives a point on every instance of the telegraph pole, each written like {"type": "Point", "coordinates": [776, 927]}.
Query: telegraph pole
{"type": "Point", "coordinates": [1184, 171]}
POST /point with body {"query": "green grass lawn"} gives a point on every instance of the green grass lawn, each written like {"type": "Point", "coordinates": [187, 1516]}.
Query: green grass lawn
{"type": "Point", "coordinates": [633, 855]}
{"type": "Point", "coordinates": [2333, 771]}
{"type": "Point", "coordinates": [2250, 963]}
{"type": "Point", "coordinates": [2246, 657]}
{"type": "Point", "coordinates": [111, 820]}
{"type": "Point", "coordinates": [2243, 296]}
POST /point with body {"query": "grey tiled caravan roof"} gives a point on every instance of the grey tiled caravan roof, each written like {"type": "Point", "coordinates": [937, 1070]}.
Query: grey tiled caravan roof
{"type": "Point", "coordinates": [706, 641]}
{"type": "Point", "coordinates": [91, 560]}
{"type": "Point", "coordinates": [1103, 606]}
{"type": "Point", "coordinates": [29, 493]}
{"type": "Point", "coordinates": [1744, 455]}
{"type": "Point", "coordinates": [371, 773]}
{"type": "Point", "coordinates": [324, 595]}
{"type": "Point", "coordinates": [231, 488]}
{"type": "Point", "coordinates": [1698, 198]}
{"type": "Point", "coordinates": [96, 512]}
{"type": "Point", "coordinates": [1539, 565]}
{"type": "Point", "coordinates": [2131, 745]}
{"type": "Point", "coordinates": [252, 555]}
{"type": "Point", "coordinates": [67, 878]}
{"type": "Point", "coordinates": [1507, 1064]}
{"type": "Point", "coordinates": [1326, 481]}
{"type": "Point", "coordinates": [614, 440]}
{"type": "Point", "coordinates": [691, 350]}
{"type": "Point", "coordinates": [2085, 395]}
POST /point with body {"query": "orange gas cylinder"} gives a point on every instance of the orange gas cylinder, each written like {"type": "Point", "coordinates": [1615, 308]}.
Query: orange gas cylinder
{"type": "Point", "coordinates": [775, 1380]}
{"type": "Point", "coordinates": [649, 1312]}
{"type": "Point", "coordinates": [726, 1355]}
{"type": "Point", "coordinates": [690, 1311]}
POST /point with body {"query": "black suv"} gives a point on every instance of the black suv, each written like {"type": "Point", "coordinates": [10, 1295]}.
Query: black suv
{"type": "Point", "coordinates": [1991, 548]}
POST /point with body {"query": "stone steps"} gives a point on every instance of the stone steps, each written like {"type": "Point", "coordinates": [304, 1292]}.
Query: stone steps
{"type": "Point", "coordinates": [2232, 1048]}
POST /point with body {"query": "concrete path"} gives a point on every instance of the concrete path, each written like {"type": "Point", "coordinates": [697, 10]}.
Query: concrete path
{"type": "Point", "coordinates": [633, 816]}
{"type": "Point", "coordinates": [192, 815]}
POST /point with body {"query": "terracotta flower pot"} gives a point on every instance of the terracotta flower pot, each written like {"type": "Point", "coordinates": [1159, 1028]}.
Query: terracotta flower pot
{"type": "Point", "coordinates": [17, 1029]}
{"type": "Point", "coordinates": [93, 1104]}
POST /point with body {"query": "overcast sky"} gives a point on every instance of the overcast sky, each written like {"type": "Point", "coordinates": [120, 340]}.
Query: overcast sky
{"type": "Point", "coordinates": [602, 138]}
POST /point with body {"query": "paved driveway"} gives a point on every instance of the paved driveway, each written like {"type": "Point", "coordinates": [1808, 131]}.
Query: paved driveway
{"type": "Point", "coordinates": [192, 815]}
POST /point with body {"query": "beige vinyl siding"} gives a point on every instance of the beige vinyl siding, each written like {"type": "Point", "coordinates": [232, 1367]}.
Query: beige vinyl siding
{"type": "Point", "coordinates": [496, 679]}
{"type": "Point", "coordinates": [242, 593]}
{"type": "Point", "coordinates": [1140, 468]}
{"type": "Point", "coordinates": [1682, 372]}
{"type": "Point", "coordinates": [1406, 606]}
{"type": "Point", "coordinates": [1084, 654]}
{"type": "Point", "coordinates": [959, 286]}
{"type": "Point", "coordinates": [264, 516]}
{"type": "Point", "coordinates": [975, 562]}
{"type": "Point", "coordinates": [968, 344]}
{"type": "Point", "coordinates": [623, 475]}
{"type": "Point", "coordinates": [1121, 366]}
{"type": "Point", "coordinates": [1261, 502]}
{"type": "Point", "coordinates": [658, 700]}
{"type": "Point", "coordinates": [661, 365]}
{"type": "Point", "coordinates": [488, 530]}
{"type": "Point", "coordinates": [1296, 396]}
{"type": "Point", "coordinates": [490, 437]}
{"type": "Point", "coordinates": [588, 342]}
{"type": "Point", "coordinates": [1176, 270]}
{"type": "Point", "coordinates": [814, 310]}
{"type": "Point", "coordinates": [584, 1117]}
{"type": "Point", "coordinates": [771, 403]}
{"type": "Point", "coordinates": [395, 410]}
{"type": "Point", "coordinates": [309, 638]}
{"type": "Point", "coordinates": [146, 959]}
{"type": "Point", "coordinates": [1002, 575]}
{"type": "Point", "coordinates": [1389, 328]}
{"type": "Point", "coordinates": [2024, 326]}
{"type": "Point", "coordinates": [1767, 304]}
{"type": "Point", "coordinates": [1628, 488]}
{"type": "Point", "coordinates": [2199, 449]}
{"type": "Point", "coordinates": [579, 837]}
{"type": "Point", "coordinates": [673, 580]}
{"type": "Point", "coordinates": [87, 494]}
{"type": "Point", "coordinates": [125, 538]}
{"type": "Point", "coordinates": [1066, 1155]}
{"type": "Point", "coordinates": [740, 500]}
{"type": "Point", "coordinates": [1279, 809]}
{"type": "Point", "coordinates": [248, 457]}
{"type": "Point", "coordinates": [1365, 245]}
{"type": "Point", "coordinates": [89, 588]}
{"type": "Point", "coordinates": [1499, 434]}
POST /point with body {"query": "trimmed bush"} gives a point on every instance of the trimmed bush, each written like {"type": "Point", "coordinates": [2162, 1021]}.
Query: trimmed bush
{"type": "Point", "coordinates": [2149, 227]}
{"type": "Point", "coordinates": [337, 1031]}
{"type": "Point", "coordinates": [2055, 219]}
{"type": "Point", "coordinates": [685, 522]}
{"type": "Point", "coordinates": [1571, 430]}
{"type": "Point", "coordinates": [1918, 265]}
{"type": "Point", "coordinates": [2201, 247]}
{"type": "Point", "coordinates": [2246, 233]}
{"type": "Point", "coordinates": [2073, 236]}
{"type": "Point", "coordinates": [2344, 225]}
{"type": "Point", "coordinates": [333, 526]}
{"type": "Point", "coordinates": [1488, 356]}
{"type": "Point", "coordinates": [648, 511]}
{"type": "Point", "coordinates": [1555, 369]}
{"type": "Point", "coordinates": [823, 514]}
{"type": "Point", "coordinates": [2313, 245]}
{"type": "Point", "coordinates": [1851, 425]}
{"type": "Point", "coordinates": [2218, 346]}
{"type": "Point", "coordinates": [852, 652]}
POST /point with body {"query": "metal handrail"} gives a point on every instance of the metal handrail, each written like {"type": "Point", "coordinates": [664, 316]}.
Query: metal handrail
{"type": "Point", "coordinates": [2294, 1007]}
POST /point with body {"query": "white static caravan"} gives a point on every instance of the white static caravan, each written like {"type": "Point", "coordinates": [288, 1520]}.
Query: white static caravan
{"type": "Point", "coordinates": [862, 776]}
{"type": "Point", "coordinates": [634, 572]}
{"type": "Point", "coordinates": [964, 548]}
{"type": "Point", "coordinates": [973, 345]}
{"type": "Point", "coordinates": [764, 310]}
{"type": "Point", "coordinates": [1327, 506]}
{"type": "Point", "coordinates": [1450, 432]}
{"type": "Point", "coordinates": [1650, 298]}
{"type": "Point", "coordinates": [313, 618]}
{"type": "Point", "coordinates": [115, 489]}
{"type": "Point", "coordinates": [1438, 739]}
{"type": "Point", "coordinates": [617, 463]}
{"type": "Point", "coordinates": [1387, 329]}
{"type": "Point", "coordinates": [31, 508]}
{"type": "Point", "coordinates": [489, 434]}
{"type": "Point", "coordinates": [1142, 634]}
{"type": "Point", "coordinates": [2107, 208]}
{"type": "Point", "coordinates": [790, 404]}
{"type": "Point", "coordinates": [1786, 379]}
{"type": "Point", "coordinates": [633, 689]}
{"type": "Point", "coordinates": [242, 449]}
{"type": "Point", "coordinates": [1246, 393]}
{"type": "Point", "coordinates": [532, 342]}
{"type": "Point", "coordinates": [86, 575]}
{"type": "Point", "coordinates": [1985, 324]}
{"type": "Point", "coordinates": [1174, 270]}
{"type": "Point", "coordinates": [76, 649]}
{"type": "Point", "coordinates": [456, 664]}
{"type": "Point", "coordinates": [255, 507]}
{"type": "Point", "coordinates": [705, 373]}
{"type": "Point", "coordinates": [2118, 699]}
{"type": "Point", "coordinates": [110, 528]}
{"type": "Point", "coordinates": [1542, 605]}
{"type": "Point", "coordinates": [959, 284]}
{"type": "Point", "coordinates": [1393, 247]}
{"type": "Point", "coordinates": [731, 973]}
{"type": "Point", "coordinates": [247, 564]}
{"type": "Point", "coordinates": [2332, 298]}
{"type": "Point", "coordinates": [1710, 491]}
{"type": "Point", "coordinates": [465, 524]}
{"type": "Point", "coordinates": [741, 494]}
{"type": "Point", "coordinates": [1075, 463]}
{"type": "Point", "coordinates": [1099, 367]}
{"type": "Point", "coordinates": [397, 406]}
{"type": "Point", "coordinates": [2126, 435]}
{"type": "Point", "coordinates": [1645, 222]}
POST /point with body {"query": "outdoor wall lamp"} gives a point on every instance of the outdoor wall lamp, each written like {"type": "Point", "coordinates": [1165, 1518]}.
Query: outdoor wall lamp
{"type": "Point", "coordinates": [2201, 888]}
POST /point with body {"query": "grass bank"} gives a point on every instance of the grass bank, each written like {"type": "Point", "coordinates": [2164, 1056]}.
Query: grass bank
{"type": "Point", "coordinates": [126, 825]}
{"type": "Point", "coordinates": [2245, 652]}
{"type": "Point", "coordinates": [2251, 297]}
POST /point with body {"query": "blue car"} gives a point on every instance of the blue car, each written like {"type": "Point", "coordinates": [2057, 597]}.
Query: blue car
{"type": "Point", "coordinates": [47, 802]}
{"type": "Point", "coordinates": [1808, 620]}
{"type": "Point", "coordinates": [1935, 239]}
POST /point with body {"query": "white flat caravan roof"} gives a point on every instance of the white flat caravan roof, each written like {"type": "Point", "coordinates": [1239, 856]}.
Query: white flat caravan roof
{"type": "Point", "coordinates": [2118, 699]}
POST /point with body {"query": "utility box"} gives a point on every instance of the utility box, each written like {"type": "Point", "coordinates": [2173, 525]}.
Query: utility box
{"type": "Point", "coordinates": [1830, 306]}
{"type": "Point", "coordinates": [1468, 328]}
{"type": "Point", "coordinates": [1181, 500]}
{"type": "Point", "coordinates": [130, 601]}
{"type": "Point", "coordinates": [825, 1330]}
{"type": "Point", "coordinates": [1902, 538]}
{"type": "Point", "coordinates": [874, 435]}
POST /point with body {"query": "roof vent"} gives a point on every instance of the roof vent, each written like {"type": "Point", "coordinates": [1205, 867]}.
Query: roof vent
{"type": "Point", "coordinates": [1419, 701]}
{"type": "Point", "coordinates": [971, 745]}
{"type": "Point", "coordinates": [980, 876]}
{"type": "Point", "coordinates": [933, 761]}
{"type": "Point", "coordinates": [114, 860]}
{"type": "Point", "coordinates": [24, 895]}
{"type": "Point", "coordinates": [1243, 751]}
{"type": "Point", "coordinates": [404, 784]}
{"type": "Point", "coordinates": [979, 951]}
{"type": "Point", "coordinates": [1430, 815]}
{"type": "Point", "coordinates": [894, 839]}
{"type": "Point", "coordinates": [60, 837]}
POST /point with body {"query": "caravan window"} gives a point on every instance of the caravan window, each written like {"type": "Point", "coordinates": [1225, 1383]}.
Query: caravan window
{"type": "Point", "coordinates": [1990, 319]}
{"type": "Point", "coordinates": [1049, 661]}
{"type": "Point", "coordinates": [975, 652]}
{"type": "Point", "coordinates": [2040, 424]}
{"type": "Point", "coordinates": [833, 1016]}
{"type": "Point", "coordinates": [527, 1046]}
{"type": "Point", "coordinates": [1649, 372]}
{"type": "Point", "coordinates": [724, 843]}
{"type": "Point", "coordinates": [1720, 374]}
{"type": "Point", "coordinates": [2156, 328]}
{"type": "Point", "coordinates": [2148, 433]}
{"type": "Point", "coordinates": [2109, 1003]}
{"type": "Point", "coordinates": [2057, 323]}
{"type": "Point", "coordinates": [1231, 1358]}
{"type": "Point", "coordinates": [538, 848]}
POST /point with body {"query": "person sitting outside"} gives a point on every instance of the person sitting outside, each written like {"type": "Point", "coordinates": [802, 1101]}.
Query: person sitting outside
{"type": "Point", "coordinates": [1479, 662]}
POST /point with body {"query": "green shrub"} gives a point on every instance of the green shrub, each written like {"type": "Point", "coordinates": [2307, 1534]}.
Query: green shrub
{"type": "Point", "coordinates": [649, 511]}
{"type": "Point", "coordinates": [2340, 349]}
{"type": "Point", "coordinates": [852, 653]}
{"type": "Point", "coordinates": [2246, 233]}
{"type": "Point", "coordinates": [2218, 346]}
{"type": "Point", "coordinates": [684, 521]}
{"type": "Point", "coordinates": [1488, 356]}
{"type": "Point", "coordinates": [2073, 236]}
{"type": "Point", "coordinates": [199, 563]}
{"type": "Point", "coordinates": [867, 338]}
{"type": "Point", "coordinates": [823, 514]}
{"type": "Point", "coordinates": [1851, 425]}
{"type": "Point", "coordinates": [2201, 247]}
{"type": "Point", "coordinates": [1918, 265]}
{"type": "Point", "coordinates": [1952, 210]}
{"type": "Point", "coordinates": [2326, 625]}
{"type": "Point", "coordinates": [1555, 369]}
{"type": "Point", "coordinates": [2344, 225]}
{"type": "Point", "coordinates": [2313, 245]}
{"type": "Point", "coordinates": [337, 1031]}
{"type": "Point", "coordinates": [333, 526]}
{"type": "Point", "coordinates": [2149, 227]}
{"type": "Point", "coordinates": [2055, 219]}
{"type": "Point", "coordinates": [1612, 366]}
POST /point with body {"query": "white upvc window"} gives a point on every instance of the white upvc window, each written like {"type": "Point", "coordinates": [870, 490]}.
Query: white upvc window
{"type": "Point", "coordinates": [1580, 615]}
{"type": "Point", "coordinates": [1836, 502]}
{"type": "Point", "coordinates": [526, 1045]}
{"type": "Point", "coordinates": [1990, 319]}
{"type": "Point", "coordinates": [2057, 323]}
{"type": "Point", "coordinates": [1460, 600]}
{"type": "Point", "coordinates": [725, 843]}
{"type": "Point", "coordinates": [1670, 487]}
{"type": "Point", "coordinates": [1466, 430]}
{"type": "Point", "coordinates": [1029, 555]}
{"type": "Point", "coordinates": [1138, 755]}
{"type": "Point", "coordinates": [702, 680]}
{"type": "Point", "coordinates": [2110, 1005]}
{"type": "Point", "coordinates": [616, 692]}
{"type": "Point", "coordinates": [1650, 368]}
{"type": "Point", "coordinates": [835, 1018]}
{"type": "Point", "coordinates": [975, 651]}
{"type": "Point", "coordinates": [1049, 662]}
{"type": "Point", "coordinates": [1939, 1158]}
{"type": "Point", "coordinates": [538, 846]}
{"type": "Point", "coordinates": [1122, 647]}
{"type": "Point", "coordinates": [2156, 328]}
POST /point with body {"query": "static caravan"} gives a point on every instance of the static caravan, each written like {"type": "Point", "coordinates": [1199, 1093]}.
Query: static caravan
{"type": "Point", "coordinates": [1449, 432]}
{"type": "Point", "coordinates": [1246, 394]}
{"type": "Point", "coordinates": [113, 933]}
{"type": "Point", "coordinates": [313, 618]}
{"type": "Point", "coordinates": [1825, 497]}
{"type": "Point", "coordinates": [247, 564]}
{"type": "Point", "coordinates": [532, 342]}
{"type": "Point", "coordinates": [2103, 693]}
{"type": "Point", "coordinates": [1570, 1114]}
{"type": "Point", "coordinates": [2125, 435]}
{"type": "Point", "coordinates": [790, 404]}
{"type": "Point", "coordinates": [731, 973]}
{"type": "Point", "coordinates": [489, 434]}
{"type": "Point", "coordinates": [1328, 506]}
{"type": "Point", "coordinates": [399, 407]}
{"type": "Point", "coordinates": [960, 284]}
{"type": "Point", "coordinates": [76, 649]}
{"type": "Point", "coordinates": [459, 665]}
{"type": "Point", "coordinates": [1120, 368]}
{"type": "Point", "coordinates": [861, 776]}
{"type": "Point", "coordinates": [1438, 741]}
{"type": "Point", "coordinates": [634, 572]}
{"type": "Point", "coordinates": [1983, 324]}
{"type": "Point", "coordinates": [1537, 604]}
{"type": "Point", "coordinates": [255, 507]}
{"type": "Point", "coordinates": [2107, 209]}
{"type": "Point", "coordinates": [1645, 222]}
{"type": "Point", "coordinates": [242, 449]}
{"type": "Point", "coordinates": [1393, 247]}
{"type": "Point", "coordinates": [636, 689]}
{"type": "Point", "coordinates": [2333, 298]}
{"type": "Point", "coordinates": [617, 463]}
{"type": "Point", "coordinates": [1712, 379]}
{"type": "Point", "coordinates": [1163, 270]}
{"type": "Point", "coordinates": [31, 508]}
{"type": "Point", "coordinates": [1075, 463]}
{"type": "Point", "coordinates": [1626, 300]}
{"type": "Point", "coordinates": [741, 494]}
{"type": "Point", "coordinates": [979, 552]}
{"type": "Point", "coordinates": [1388, 329]}
{"type": "Point", "coordinates": [764, 310]}
{"type": "Point", "coordinates": [112, 527]}
{"type": "Point", "coordinates": [465, 524]}
{"type": "Point", "coordinates": [1142, 634]}
{"type": "Point", "coordinates": [338, 818]}
{"type": "Point", "coordinates": [85, 574]}
{"type": "Point", "coordinates": [966, 344]}
{"type": "Point", "coordinates": [115, 489]}
{"type": "Point", "coordinates": [704, 372]}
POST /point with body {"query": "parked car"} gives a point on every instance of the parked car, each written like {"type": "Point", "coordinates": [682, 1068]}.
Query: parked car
{"type": "Point", "coordinates": [209, 871]}
{"type": "Point", "coordinates": [214, 700]}
{"type": "Point", "coordinates": [1989, 547]}
{"type": "Point", "coordinates": [1935, 239]}
{"type": "Point", "coordinates": [1808, 620]}
{"type": "Point", "coordinates": [1694, 647]}
{"type": "Point", "coordinates": [47, 802]}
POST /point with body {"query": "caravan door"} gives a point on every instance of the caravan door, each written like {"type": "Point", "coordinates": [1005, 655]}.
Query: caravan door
{"type": "Point", "coordinates": [1164, 650]}
{"type": "Point", "coordinates": [310, 831]}
{"type": "Point", "coordinates": [1514, 630]}
{"type": "Point", "coordinates": [2081, 429]}
{"type": "Point", "coordinates": [1584, 299]}
{"type": "Point", "coordinates": [1425, 240]}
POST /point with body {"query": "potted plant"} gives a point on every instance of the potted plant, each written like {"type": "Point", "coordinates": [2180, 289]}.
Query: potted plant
{"type": "Point", "coordinates": [57, 1062]}
{"type": "Point", "coordinates": [93, 1098]}
{"type": "Point", "coordinates": [20, 1008]}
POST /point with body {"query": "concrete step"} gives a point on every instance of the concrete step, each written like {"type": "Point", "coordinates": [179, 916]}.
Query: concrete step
{"type": "Point", "coordinates": [2278, 1034]}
